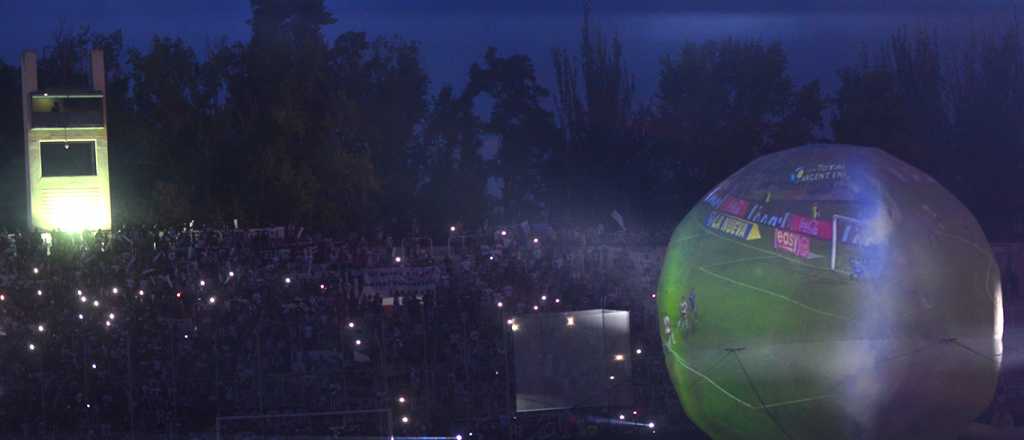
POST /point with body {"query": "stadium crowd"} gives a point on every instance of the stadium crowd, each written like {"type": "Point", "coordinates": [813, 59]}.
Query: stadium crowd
{"type": "Point", "coordinates": [163, 331]}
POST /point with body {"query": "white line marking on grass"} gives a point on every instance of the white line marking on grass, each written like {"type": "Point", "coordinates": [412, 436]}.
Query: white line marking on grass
{"type": "Point", "coordinates": [741, 260]}
{"type": "Point", "coordinates": [791, 260]}
{"type": "Point", "coordinates": [769, 292]}
{"type": "Point", "coordinates": [732, 396]}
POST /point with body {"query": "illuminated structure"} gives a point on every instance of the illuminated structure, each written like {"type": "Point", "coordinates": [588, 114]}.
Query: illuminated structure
{"type": "Point", "coordinates": [68, 180]}
{"type": "Point", "coordinates": [831, 291]}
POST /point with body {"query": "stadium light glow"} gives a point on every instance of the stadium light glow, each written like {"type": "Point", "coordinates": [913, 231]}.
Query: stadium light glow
{"type": "Point", "coordinates": [73, 213]}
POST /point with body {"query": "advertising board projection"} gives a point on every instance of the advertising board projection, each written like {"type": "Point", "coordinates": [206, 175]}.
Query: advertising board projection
{"type": "Point", "coordinates": [831, 291]}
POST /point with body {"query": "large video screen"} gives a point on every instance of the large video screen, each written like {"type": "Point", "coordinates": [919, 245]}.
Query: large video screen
{"type": "Point", "coordinates": [67, 159]}
{"type": "Point", "coordinates": [572, 360]}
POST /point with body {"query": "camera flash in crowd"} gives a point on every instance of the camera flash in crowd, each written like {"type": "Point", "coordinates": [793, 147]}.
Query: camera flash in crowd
{"type": "Point", "coordinates": [81, 316]}
{"type": "Point", "coordinates": [401, 399]}
{"type": "Point", "coordinates": [41, 328]}
{"type": "Point", "coordinates": [202, 283]}
{"type": "Point", "coordinates": [359, 342]}
{"type": "Point", "coordinates": [639, 351]}
{"type": "Point", "coordinates": [95, 303]}
{"type": "Point", "coordinates": [405, 419]}
{"type": "Point", "coordinates": [619, 358]}
{"type": "Point", "coordinates": [39, 293]}
{"type": "Point", "coordinates": [570, 321]}
{"type": "Point", "coordinates": [535, 307]}
{"type": "Point", "coordinates": [611, 377]}
{"type": "Point", "coordinates": [79, 292]}
{"type": "Point", "coordinates": [213, 299]}
{"type": "Point", "coordinates": [351, 324]}
{"type": "Point", "coordinates": [82, 299]}
{"type": "Point", "coordinates": [650, 425]}
{"type": "Point", "coordinates": [622, 417]}
{"type": "Point", "coordinates": [31, 346]}
{"type": "Point", "coordinates": [141, 293]}
{"type": "Point", "coordinates": [3, 297]}
{"type": "Point", "coordinates": [114, 290]}
{"type": "Point", "coordinates": [93, 366]}
{"type": "Point", "coordinates": [178, 295]}
{"type": "Point", "coordinates": [515, 327]}
{"type": "Point", "coordinates": [287, 280]}
{"type": "Point", "coordinates": [500, 304]}
{"type": "Point", "coordinates": [398, 259]}
{"type": "Point", "coordinates": [107, 323]}
{"type": "Point", "coordinates": [35, 270]}
{"type": "Point", "coordinates": [231, 273]}
{"type": "Point", "coordinates": [536, 240]}
{"type": "Point", "coordinates": [111, 316]}
{"type": "Point", "coordinates": [557, 300]}
{"type": "Point", "coordinates": [504, 232]}
{"type": "Point", "coordinates": [543, 297]}
{"type": "Point", "coordinates": [451, 228]}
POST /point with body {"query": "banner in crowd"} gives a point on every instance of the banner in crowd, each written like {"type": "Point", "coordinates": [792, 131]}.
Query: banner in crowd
{"type": "Point", "coordinates": [796, 244]}
{"type": "Point", "coordinates": [392, 279]}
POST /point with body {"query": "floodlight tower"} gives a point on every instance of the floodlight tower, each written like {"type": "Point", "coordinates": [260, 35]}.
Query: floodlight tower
{"type": "Point", "coordinates": [67, 176]}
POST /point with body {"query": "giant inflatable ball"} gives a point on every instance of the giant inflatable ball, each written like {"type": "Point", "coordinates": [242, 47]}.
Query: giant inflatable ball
{"type": "Point", "coordinates": [831, 292]}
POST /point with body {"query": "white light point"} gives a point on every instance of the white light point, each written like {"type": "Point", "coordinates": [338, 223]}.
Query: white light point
{"type": "Point", "coordinates": [405, 419]}
{"type": "Point", "coordinates": [141, 293]}
{"type": "Point", "coordinates": [213, 300]}
{"type": "Point", "coordinates": [41, 328]}
{"type": "Point", "coordinates": [500, 304]}
{"type": "Point", "coordinates": [95, 303]}
{"type": "Point", "coordinates": [619, 358]}
{"type": "Point", "coordinates": [359, 342]}
{"type": "Point", "coordinates": [39, 293]}
{"type": "Point", "coordinates": [93, 366]}
{"type": "Point", "coordinates": [622, 417]}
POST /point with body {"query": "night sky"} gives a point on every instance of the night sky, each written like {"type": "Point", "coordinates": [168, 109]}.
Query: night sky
{"type": "Point", "coordinates": [819, 35]}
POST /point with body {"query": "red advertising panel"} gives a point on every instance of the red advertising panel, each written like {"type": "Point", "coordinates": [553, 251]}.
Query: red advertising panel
{"type": "Point", "coordinates": [796, 244]}
{"type": "Point", "coordinates": [805, 225]}
{"type": "Point", "coordinates": [735, 206]}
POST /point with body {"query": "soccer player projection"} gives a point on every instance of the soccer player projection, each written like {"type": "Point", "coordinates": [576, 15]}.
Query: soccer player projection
{"type": "Point", "coordinates": [831, 291]}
